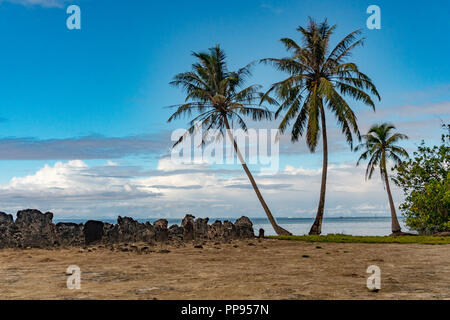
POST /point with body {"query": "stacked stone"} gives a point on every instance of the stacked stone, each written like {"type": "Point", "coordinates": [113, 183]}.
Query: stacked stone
{"type": "Point", "coordinates": [35, 229]}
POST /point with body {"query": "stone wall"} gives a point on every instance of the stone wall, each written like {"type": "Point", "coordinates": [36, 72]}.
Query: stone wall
{"type": "Point", "coordinates": [35, 229]}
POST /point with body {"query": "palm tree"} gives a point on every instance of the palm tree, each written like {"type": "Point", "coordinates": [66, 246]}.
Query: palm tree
{"type": "Point", "coordinates": [318, 79]}
{"type": "Point", "coordinates": [218, 96]}
{"type": "Point", "coordinates": [379, 144]}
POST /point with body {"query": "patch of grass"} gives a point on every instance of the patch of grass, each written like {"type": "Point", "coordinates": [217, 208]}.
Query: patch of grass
{"type": "Point", "coordinates": [343, 238]}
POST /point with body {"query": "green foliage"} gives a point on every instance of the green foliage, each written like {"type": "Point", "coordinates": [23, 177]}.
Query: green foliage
{"type": "Point", "coordinates": [425, 183]}
{"type": "Point", "coordinates": [217, 95]}
{"type": "Point", "coordinates": [342, 238]}
{"type": "Point", "coordinates": [379, 144]}
{"type": "Point", "coordinates": [319, 77]}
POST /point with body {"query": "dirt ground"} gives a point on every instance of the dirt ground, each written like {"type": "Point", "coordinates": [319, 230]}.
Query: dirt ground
{"type": "Point", "coordinates": [267, 269]}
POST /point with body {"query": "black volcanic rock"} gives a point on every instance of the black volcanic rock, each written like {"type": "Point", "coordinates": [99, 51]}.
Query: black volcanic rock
{"type": "Point", "coordinates": [131, 230]}
{"type": "Point", "coordinates": [6, 219]}
{"type": "Point", "coordinates": [110, 233]}
{"type": "Point", "coordinates": [149, 234]}
{"type": "Point", "coordinates": [69, 234]}
{"type": "Point", "coordinates": [36, 228]}
{"type": "Point", "coordinates": [176, 233]}
{"type": "Point", "coordinates": [261, 233]}
{"type": "Point", "coordinates": [33, 228]}
{"type": "Point", "coordinates": [215, 230]}
{"type": "Point", "coordinates": [229, 231]}
{"type": "Point", "coordinates": [161, 231]}
{"type": "Point", "coordinates": [93, 231]}
{"type": "Point", "coordinates": [244, 228]}
{"type": "Point", "coordinates": [201, 228]}
{"type": "Point", "coordinates": [9, 233]}
{"type": "Point", "coordinates": [188, 227]}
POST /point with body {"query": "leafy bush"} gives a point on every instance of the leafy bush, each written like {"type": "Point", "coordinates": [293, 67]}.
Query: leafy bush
{"type": "Point", "coordinates": [425, 183]}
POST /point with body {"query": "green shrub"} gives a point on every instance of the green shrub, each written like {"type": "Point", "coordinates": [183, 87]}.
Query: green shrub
{"type": "Point", "coordinates": [425, 183]}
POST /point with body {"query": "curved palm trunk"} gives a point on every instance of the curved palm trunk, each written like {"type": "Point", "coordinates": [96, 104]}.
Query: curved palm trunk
{"type": "Point", "coordinates": [317, 225]}
{"type": "Point", "coordinates": [395, 225]}
{"type": "Point", "coordinates": [279, 230]}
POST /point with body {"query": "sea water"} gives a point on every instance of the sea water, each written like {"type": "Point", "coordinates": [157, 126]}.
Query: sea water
{"type": "Point", "coordinates": [358, 226]}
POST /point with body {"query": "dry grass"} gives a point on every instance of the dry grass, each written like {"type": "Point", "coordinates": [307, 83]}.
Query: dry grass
{"type": "Point", "coordinates": [270, 269]}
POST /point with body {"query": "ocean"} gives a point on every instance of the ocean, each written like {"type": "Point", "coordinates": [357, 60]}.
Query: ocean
{"type": "Point", "coordinates": [358, 226]}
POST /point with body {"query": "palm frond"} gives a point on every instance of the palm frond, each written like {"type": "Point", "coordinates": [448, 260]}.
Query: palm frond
{"type": "Point", "coordinates": [318, 76]}
{"type": "Point", "coordinates": [379, 144]}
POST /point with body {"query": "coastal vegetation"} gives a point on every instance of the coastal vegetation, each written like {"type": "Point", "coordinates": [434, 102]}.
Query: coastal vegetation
{"type": "Point", "coordinates": [344, 238]}
{"type": "Point", "coordinates": [220, 97]}
{"type": "Point", "coordinates": [319, 79]}
{"type": "Point", "coordinates": [380, 145]}
{"type": "Point", "coordinates": [426, 186]}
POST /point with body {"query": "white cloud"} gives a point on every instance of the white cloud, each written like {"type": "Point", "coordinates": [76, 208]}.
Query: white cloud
{"type": "Point", "coordinates": [273, 9]}
{"type": "Point", "coordinates": [42, 3]}
{"type": "Point", "coordinates": [413, 112]}
{"type": "Point", "coordinates": [77, 190]}
{"type": "Point", "coordinates": [71, 184]}
{"type": "Point", "coordinates": [307, 172]}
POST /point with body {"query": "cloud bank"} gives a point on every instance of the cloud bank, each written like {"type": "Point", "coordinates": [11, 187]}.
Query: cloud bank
{"type": "Point", "coordinates": [74, 189]}
{"type": "Point", "coordinates": [41, 3]}
{"type": "Point", "coordinates": [83, 148]}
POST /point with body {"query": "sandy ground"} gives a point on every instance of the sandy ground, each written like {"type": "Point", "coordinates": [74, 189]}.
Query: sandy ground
{"type": "Point", "coordinates": [268, 269]}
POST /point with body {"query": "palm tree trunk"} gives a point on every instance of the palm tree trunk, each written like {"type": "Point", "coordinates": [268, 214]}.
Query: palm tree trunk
{"type": "Point", "coordinates": [395, 225]}
{"type": "Point", "coordinates": [316, 228]}
{"type": "Point", "coordinates": [279, 230]}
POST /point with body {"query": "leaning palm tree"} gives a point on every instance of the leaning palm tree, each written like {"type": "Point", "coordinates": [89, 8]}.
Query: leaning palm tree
{"type": "Point", "coordinates": [219, 97]}
{"type": "Point", "coordinates": [318, 80]}
{"type": "Point", "coordinates": [379, 145]}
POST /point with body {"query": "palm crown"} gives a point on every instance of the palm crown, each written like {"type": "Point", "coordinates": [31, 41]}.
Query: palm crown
{"type": "Point", "coordinates": [317, 76]}
{"type": "Point", "coordinates": [217, 94]}
{"type": "Point", "coordinates": [379, 145]}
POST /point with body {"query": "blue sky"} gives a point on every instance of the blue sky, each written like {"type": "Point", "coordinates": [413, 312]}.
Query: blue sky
{"type": "Point", "coordinates": [98, 94]}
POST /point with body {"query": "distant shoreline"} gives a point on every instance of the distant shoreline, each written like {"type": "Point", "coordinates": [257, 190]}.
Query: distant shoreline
{"type": "Point", "coordinates": [253, 219]}
{"type": "Point", "coordinates": [357, 226]}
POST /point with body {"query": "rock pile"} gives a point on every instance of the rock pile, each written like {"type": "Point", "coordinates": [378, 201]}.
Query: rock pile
{"type": "Point", "coordinates": [33, 228]}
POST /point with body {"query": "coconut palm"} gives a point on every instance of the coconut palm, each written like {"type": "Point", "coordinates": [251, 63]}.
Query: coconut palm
{"type": "Point", "coordinates": [379, 145]}
{"type": "Point", "coordinates": [319, 78]}
{"type": "Point", "coordinates": [219, 97]}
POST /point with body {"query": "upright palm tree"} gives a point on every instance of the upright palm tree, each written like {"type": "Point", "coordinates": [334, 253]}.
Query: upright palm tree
{"type": "Point", "coordinates": [218, 96]}
{"type": "Point", "coordinates": [379, 145]}
{"type": "Point", "coordinates": [318, 80]}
